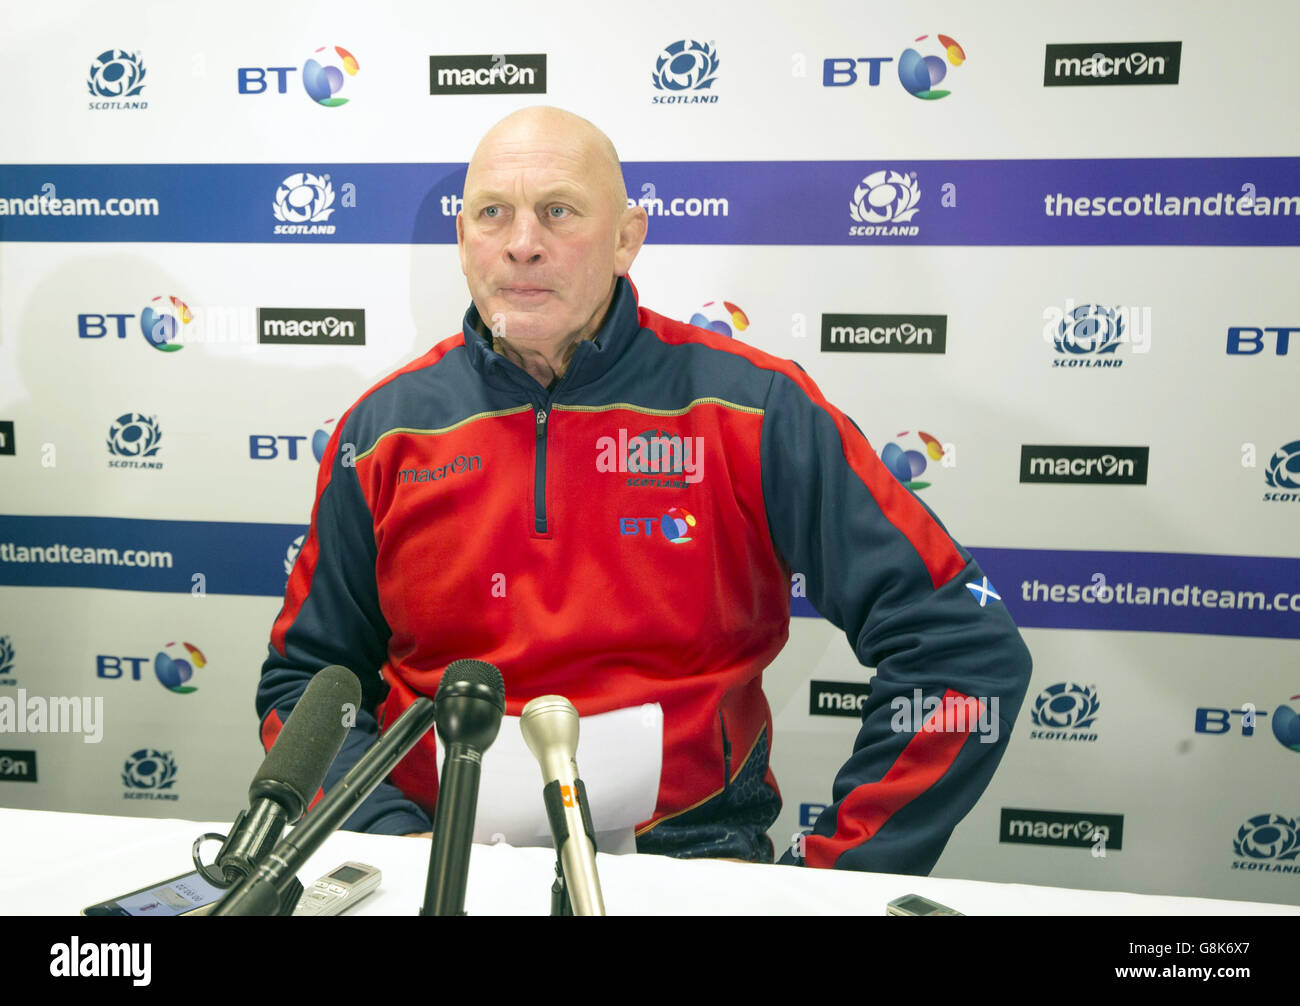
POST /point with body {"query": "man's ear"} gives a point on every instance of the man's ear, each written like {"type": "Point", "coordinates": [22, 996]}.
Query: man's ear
{"type": "Point", "coordinates": [460, 240]}
{"type": "Point", "coordinates": [632, 228]}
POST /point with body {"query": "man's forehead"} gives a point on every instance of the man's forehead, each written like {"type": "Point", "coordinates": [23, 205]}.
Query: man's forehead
{"type": "Point", "coordinates": [544, 149]}
{"type": "Point", "coordinates": [533, 174]}
{"type": "Point", "coordinates": [507, 186]}
{"type": "Point", "coordinates": [544, 129]}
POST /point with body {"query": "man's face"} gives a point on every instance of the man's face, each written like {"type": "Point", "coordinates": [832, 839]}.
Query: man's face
{"type": "Point", "coordinates": [538, 234]}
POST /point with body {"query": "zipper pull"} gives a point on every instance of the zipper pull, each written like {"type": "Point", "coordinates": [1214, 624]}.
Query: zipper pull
{"type": "Point", "coordinates": [541, 422]}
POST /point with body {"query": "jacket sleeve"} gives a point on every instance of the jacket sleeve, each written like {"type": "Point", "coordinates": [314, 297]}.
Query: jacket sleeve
{"type": "Point", "coordinates": [917, 608]}
{"type": "Point", "coordinates": [331, 615]}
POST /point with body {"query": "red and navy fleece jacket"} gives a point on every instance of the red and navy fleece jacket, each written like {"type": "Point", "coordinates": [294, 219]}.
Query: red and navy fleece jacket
{"type": "Point", "coordinates": [464, 511]}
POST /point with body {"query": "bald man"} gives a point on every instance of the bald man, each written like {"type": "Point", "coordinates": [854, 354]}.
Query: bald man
{"type": "Point", "coordinates": [545, 234]}
{"type": "Point", "coordinates": [608, 505]}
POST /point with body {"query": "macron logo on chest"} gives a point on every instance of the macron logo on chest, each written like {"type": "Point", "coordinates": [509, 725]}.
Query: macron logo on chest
{"type": "Point", "coordinates": [459, 465]}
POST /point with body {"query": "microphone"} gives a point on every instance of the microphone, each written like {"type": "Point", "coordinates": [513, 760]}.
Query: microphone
{"type": "Point", "coordinates": [550, 728]}
{"type": "Point", "coordinates": [290, 776]}
{"type": "Point", "coordinates": [470, 702]}
{"type": "Point", "coordinates": [262, 892]}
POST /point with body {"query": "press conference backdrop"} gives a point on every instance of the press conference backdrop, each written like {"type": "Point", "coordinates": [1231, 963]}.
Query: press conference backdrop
{"type": "Point", "coordinates": [1045, 260]}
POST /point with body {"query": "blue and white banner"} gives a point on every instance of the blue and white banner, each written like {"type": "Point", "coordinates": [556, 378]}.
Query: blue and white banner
{"type": "Point", "coordinates": [1114, 201]}
{"type": "Point", "coordinates": [1222, 595]}
{"type": "Point", "coordinates": [171, 556]}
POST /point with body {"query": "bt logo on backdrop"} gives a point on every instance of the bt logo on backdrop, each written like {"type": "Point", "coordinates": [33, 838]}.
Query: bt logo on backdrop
{"type": "Point", "coordinates": [324, 75]}
{"type": "Point", "coordinates": [922, 67]}
{"type": "Point", "coordinates": [263, 446]}
{"type": "Point", "coordinates": [174, 666]}
{"type": "Point", "coordinates": [1244, 340]}
{"type": "Point", "coordinates": [721, 316]}
{"type": "Point", "coordinates": [907, 464]}
{"type": "Point", "coordinates": [164, 322]}
{"type": "Point", "coordinates": [1284, 722]}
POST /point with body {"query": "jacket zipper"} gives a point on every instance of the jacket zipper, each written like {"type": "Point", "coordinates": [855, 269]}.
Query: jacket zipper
{"type": "Point", "coordinates": [539, 479]}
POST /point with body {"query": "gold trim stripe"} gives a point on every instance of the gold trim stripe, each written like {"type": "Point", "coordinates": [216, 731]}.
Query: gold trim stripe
{"type": "Point", "coordinates": [658, 412]}
{"type": "Point", "coordinates": [444, 429]}
{"type": "Point", "coordinates": [677, 813]}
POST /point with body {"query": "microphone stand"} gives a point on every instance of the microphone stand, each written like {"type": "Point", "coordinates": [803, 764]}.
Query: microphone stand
{"type": "Point", "coordinates": [265, 891]}
{"type": "Point", "coordinates": [561, 905]}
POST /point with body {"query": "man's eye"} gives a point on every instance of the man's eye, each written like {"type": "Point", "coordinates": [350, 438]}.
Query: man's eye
{"type": "Point", "coordinates": [491, 212]}
{"type": "Point", "coordinates": [558, 212]}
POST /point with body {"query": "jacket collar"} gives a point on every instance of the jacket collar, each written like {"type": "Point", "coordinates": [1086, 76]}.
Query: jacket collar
{"type": "Point", "coordinates": [591, 360]}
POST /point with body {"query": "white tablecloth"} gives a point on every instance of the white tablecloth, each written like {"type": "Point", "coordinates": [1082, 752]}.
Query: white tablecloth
{"type": "Point", "coordinates": [57, 864]}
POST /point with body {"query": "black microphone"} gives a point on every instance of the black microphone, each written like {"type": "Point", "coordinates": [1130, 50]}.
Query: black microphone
{"type": "Point", "coordinates": [291, 773]}
{"type": "Point", "coordinates": [470, 702]}
{"type": "Point", "coordinates": [263, 891]}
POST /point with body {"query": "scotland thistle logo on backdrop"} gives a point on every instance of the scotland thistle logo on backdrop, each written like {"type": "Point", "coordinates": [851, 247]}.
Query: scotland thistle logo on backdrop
{"type": "Point", "coordinates": [148, 769]}
{"type": "Point", "coordinates": [686, 65]}
{"type": "Point", "coordinates": [116, 73]}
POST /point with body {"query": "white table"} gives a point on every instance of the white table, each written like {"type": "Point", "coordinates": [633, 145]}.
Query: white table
{"type": "Point", "coordinates": [59, 863]}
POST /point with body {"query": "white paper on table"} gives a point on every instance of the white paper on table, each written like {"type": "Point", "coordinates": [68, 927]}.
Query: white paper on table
{"type": "Point", "coordinates": [620, 759]}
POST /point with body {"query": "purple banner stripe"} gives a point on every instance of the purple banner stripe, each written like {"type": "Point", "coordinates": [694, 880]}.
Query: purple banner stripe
{"type": "Point", "coordinates": [1120, 201]}
{"type": "Point", "coordinates": [1219, 595]}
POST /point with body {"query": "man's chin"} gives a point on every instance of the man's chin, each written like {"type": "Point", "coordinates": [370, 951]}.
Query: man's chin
{"type": "Point", "coordinates": [526, 327]}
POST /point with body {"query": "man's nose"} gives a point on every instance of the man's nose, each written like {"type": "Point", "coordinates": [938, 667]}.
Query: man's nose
{"type": "Point", "coordinates": [525, 243]}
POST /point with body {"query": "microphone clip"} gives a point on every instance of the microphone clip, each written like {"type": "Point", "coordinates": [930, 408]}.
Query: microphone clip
{"type": "Point", "coordinates": [556, 798]}
{"type": "Point", "coordinates": [560, 903]}
{"type": "Point", "coordinates": [217, 877]}
{"type": "Point", "coordinates": [210, 872]}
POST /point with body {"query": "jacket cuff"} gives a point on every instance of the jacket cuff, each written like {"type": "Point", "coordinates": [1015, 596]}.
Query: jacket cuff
{"type": "Point", "coordinates": [399, 822]}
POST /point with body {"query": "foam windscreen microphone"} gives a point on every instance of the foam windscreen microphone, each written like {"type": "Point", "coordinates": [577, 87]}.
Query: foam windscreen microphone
{"type": "Point", "coordinates": [292, 771]}
{"type": "Point", "coordinates": [273, 888]}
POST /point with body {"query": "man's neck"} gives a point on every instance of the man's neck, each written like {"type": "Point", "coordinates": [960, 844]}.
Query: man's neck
{"type": "Point", "coordinates": [542, 366]}
{"type": "Point", "coordinates": [546, 365]}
